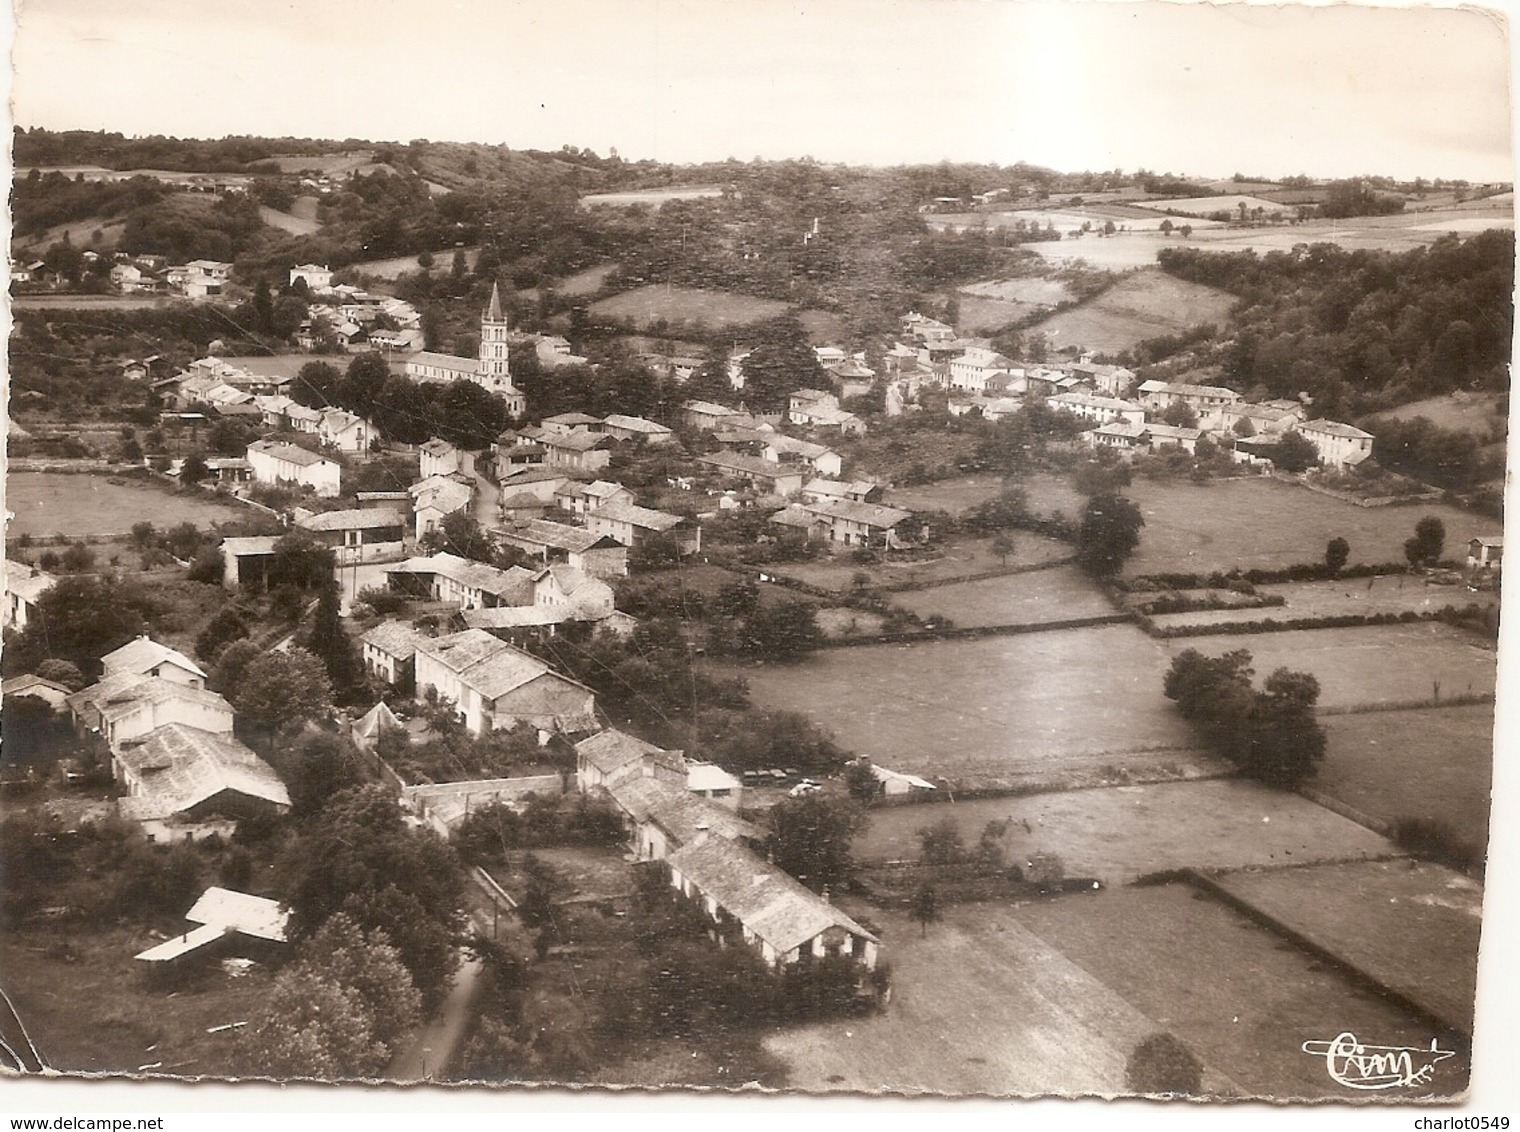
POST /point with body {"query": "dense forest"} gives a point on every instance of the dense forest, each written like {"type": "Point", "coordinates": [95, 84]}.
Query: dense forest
{"type": "Point", "coordinates": [1360, 331]}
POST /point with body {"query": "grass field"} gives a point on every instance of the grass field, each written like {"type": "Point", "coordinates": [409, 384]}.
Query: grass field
{"type": "Point", "coordinates": [400, 265]}
{"type": "Point", "coordinates": [1432, 763]}
{"type": "Point", "coordinates": [1206, 206]}
{"type": "Point", "coordinates": [1263, 523]}
{"type": "Point", "coordinates": [1378, 664]}
{"type": "Point", "coordinates": [1412, 927]}
{"type": "Point", "coordinates": [957, 496]}
{"type": "Point", "coordinates": [94, 302]}
{"type": "Point", "coordinates": [1145, 305]}
{"type": "Point", "coordinates": [961, 559]}
{"type": "Point", "coordinates": [654, 197]}
{"type": "Point", "coordinates": [587, 282]}
{"type": "Point", "coordinates": [1389, 594]}
{"type": "Point", "coordinates": [1023, 708]}
{"type": "Point", "coordinates": [1117, 834]}
{"type": "Point", "coordinates": [986, 307]}
{"type": "Point", "coordinates": [678, 306]}
{"type": "Point", "coordinates": [89, 1009]}
{"type": "Point", "coordinates": [286, 222]}
{"type": "Point", "coordinates": [45, 503]}
{"type": "Point", "coordinates": [1058, 594]}
{"type": "Point", "coordinates": [1477, 413]}
{"type": "Point", "coordinates": [1241, 998]}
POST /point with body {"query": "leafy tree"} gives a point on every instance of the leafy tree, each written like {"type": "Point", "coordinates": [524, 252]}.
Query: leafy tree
{"type": "Point", "coordinates": [311, 1026]}
{"type": "Point", "coordinates": [331, 645]}
{"type": "Point", "coordinates": [1162, 1065]}
{"type": "Point", "coordinates": [79, 619]}
{"type": "Point", "coordinates": [783, 630]}
{"type": "Point", "coordinates": [365, 377]}
{"type": "Point", "coordinates": [860, 780]}
{"type": "Point", "coordinates": [300, 560]}
{"type": "Point", "coordinates": [1180, 414]}
{"type": "Point", "coordinates": [941, 844]}
{"type": "Point", "coordinates": [62, 672]}
{"type": "Point", "coordinates": [281, 690]}
{"type": "Point", "coordinates": [460, 534]}
{"type": "Point", "coordinates": [1109, 534]}
{"type": "Point", "coordinates": [316, 385]}
{"type": "Point", "coordinates": [231, 662]}
{"type": "Point", "coordinates": [1337, 552]}
{"type": "Point", "coordinates": [31, 728]}
{"type": "Point", "coordinates": [811, 836]}
{"type": "Point", "coordinates": [193, 470]}
{"type": "Point", "coordinates": [365, 962]}
{"type": "Point", "coordinates": [227, 626]}
{"type": "Point", "coordinates": [1003, 546]}
{"type": "Point", "coordinates": [1294, 453]}
{"type": "Point", "coordinates": [925, 908]}
{"type": "Point", "coordinates": [1428, 541]}
{"type": "Point", "coordinates": [781, 363]}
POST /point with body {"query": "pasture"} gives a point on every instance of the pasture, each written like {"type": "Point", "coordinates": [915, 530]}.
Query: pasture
{"type": "Point", "coordinates": [1031, 709]}
{"type": "Point", "coordinates": [1433, 763]}
{"type": "Point", "coordinates": [675, 307]}
{"type": "Point", "coordinates": [1243, 999]}
{"type": "Point", "coordinates": [1207, 206]}
{"type": "Point", "coordinates": [47, 503]}
{"type": "Point", "coordinates": [1356, 596]}
{"type": "Point", "coordinates": [1058, 594]}
{"type": "Point", "coordinates": [1373, 665]}
{"type": "Point", "coordinates": [988, 306]}
{"type": "Point", "coordinates": [951, 562]}
{"type": "Point", "coordinates": [587, 282]}
{"type": "Point", "coordinates": [288, 222]}
{"type": "Point", "coordinates": [956, 496]}
{"type": "Point", "coordinates": [1260, 522]}
{"type": "Point", "coordinates": [390, 269]}
{"type": "Point", "coordinates": [1145, 305]}
{"type": "Point", "coordinates": [1120, 833]}
{"type": "Point", "coordinates": [1411, 926]}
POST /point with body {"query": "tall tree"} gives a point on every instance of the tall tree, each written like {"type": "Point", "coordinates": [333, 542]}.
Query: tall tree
{"type": "Point", "coordinates": [330, 644]}
{"type": "Point", "coordinates": [1109, 534]}
{"type": "Point", "coordinates": [281, 690]}
{"type": "Point", "coordinates": [781, 363]}
{"type": "Point", "coordinates": [80, 619]}
{"type": "Point", "coordinates": [811, 836]}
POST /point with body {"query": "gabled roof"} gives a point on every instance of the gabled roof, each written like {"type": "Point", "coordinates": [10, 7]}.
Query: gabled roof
{"type": "Point", "coordinates": [26, 582]}
{"type": "Point", "coordinates": [869, 514]}
{"type": "Point", "coordinates": [288, 453]}
{"type": "Point", "coordinates": [767, 901]}
{"type": "Point", "coordinates": [514, 585]}
{"type": "Point", "coordinates": [637, 424]}
{"type": "Point", "coordinates": [683, 816]}
{"type": "Point", "coordinates": [707, 408]}
{"type": "Point", "coordinates": [122, 693]}
{"type": "Point", "coordinates": [143, 655]}
{"type": "Point", "coordinates": [1335, 428]}
{"type": "Point", "coordinates": [240, 912]}
{"type": "Point", "coordinates": [394, 638]}
{"type": "Point", "coordinates": [463, 366]}
{"type": "Point", "coordinates": [250, 546]}
{"type": "Point", "coordinates": [179, 767]}
{"type": "Point", "coordinates": [804, 448]}
{"type": "Point", "coordinates": [31, 683]}
{"type": "Point", "coordinates": [440, 493]}
{"type": "Point", "coordinates": [546, 532]}
{"type": "Point", "coordinates": [644, 517]}
{"type": "Point", "coordinates": [363, 519]}
{"type": "Point", "coordinates": [573, 441]}
{"type": "Point", "coordinates": [747, 465]}
{"type": "Point", "coordinates": [572, 418]}
{"type": "Point", "coordinates": [611, 750]}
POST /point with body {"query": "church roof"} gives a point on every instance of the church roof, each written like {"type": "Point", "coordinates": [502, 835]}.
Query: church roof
{"type": "Point", "coordinates": [493, 312]}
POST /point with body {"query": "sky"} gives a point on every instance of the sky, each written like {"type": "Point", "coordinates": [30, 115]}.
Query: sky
{"type": "Point", "coordinates": [1187, 88]}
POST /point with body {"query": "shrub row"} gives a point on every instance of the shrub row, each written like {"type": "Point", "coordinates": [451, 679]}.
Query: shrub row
{"type": "Point", "coordinates": [1301, 572]}
{"type": "Point", "coordinates": [1449, 614]}
{"type": "Point", "coordinates": [1174, 602]}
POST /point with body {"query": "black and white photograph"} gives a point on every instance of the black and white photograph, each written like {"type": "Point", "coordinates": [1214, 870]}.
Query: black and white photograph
{"type": "Point", "coordinates": [736, 550]}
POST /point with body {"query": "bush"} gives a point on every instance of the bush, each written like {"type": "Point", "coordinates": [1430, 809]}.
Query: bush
{"type": "Point", "coordinates": [382, 599]}
{"type": "Point", "coordinates": [1438, 841]}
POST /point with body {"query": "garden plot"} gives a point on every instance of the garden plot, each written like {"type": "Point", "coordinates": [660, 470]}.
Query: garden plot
{"type": "Point", "coordinates": [1359, 597]}
{"type": "Point", "coordinates": [1242, 998]}
{"type": "Point", "coordinates": [657, 305]}
{"type": "Point", "coordinates": [1410, 926]}
{"type": "Point", "coordinates": [47, 503]}
{"type": "Point", "coordinates": [1118, 834]}
{"type": "Point", "coordinates": [949, 562]}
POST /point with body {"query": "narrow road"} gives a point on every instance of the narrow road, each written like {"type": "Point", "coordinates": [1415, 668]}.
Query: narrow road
{"type": "Point", "coordinates": [434, 1046]}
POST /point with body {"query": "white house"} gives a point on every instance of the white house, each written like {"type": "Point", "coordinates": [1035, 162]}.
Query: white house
{"type": "Point", "coordinates": [1101, 410]}
{"type": "Point", "coordinates": [345, 431]}
{"type": "Point", "coordinates": [318, 277]}
{"type": "Point", "coordinates": [389, 650]}
{"type": "Point", "coordinates": [493, 685]}
{"type": "Point", "coordinates": [146, 657]}
{"type": "Point", "coordinates": [126, 706]}
{"type": "Point", "coordinates": [355, 536]}
{"type": "Point", "coordinates": [24, 587]}
{"type": "Point", "coordinates": [180, 771]}
{"type": "Point", "coordinates": [436, 498]}
{"type": "Point", "coordinates": [284, 464]}
{"type": "Point", "coordinates": [1340, 446]}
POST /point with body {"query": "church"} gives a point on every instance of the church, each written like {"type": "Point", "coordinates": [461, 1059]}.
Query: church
{"type": "Point", "coordinates": [490, 370]}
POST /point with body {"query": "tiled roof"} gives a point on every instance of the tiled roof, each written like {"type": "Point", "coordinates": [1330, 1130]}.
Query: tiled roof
{"type": "Point", "coordinates": [746, 465]}
{"type": "Point", "coordinates": [288, 453]}
{"type": "Point", "coordinates": [550, 533]}
{"type": "Point", "coordinates": [870, 514]}
{"type": "Point", "coordinates": [612, 750]}
{"type": "Point", "coordinates": [760, 896]}
{"type": "Point", "coordinates": [645, 517]}
{"type": "Point", "coordinates": [367, 518]}
{"type": "Point", "coordinates": [179, 767]}
{"type": "Point", "coordinates": [1335, 428]}
{"type": "Point", "coordinates": [395, 638]}
{"type": "Point", "coordinates": [121, 693]}
{"type": "Point", "coordinates": [572, 441]}
{"type": "Point", "coordinates": [636, 424]}
{"type": "Point", "coordinates": [143, 654]}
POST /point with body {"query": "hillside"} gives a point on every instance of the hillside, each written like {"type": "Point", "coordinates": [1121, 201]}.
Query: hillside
{"type": "Point", "coordinates": [1147, 304]}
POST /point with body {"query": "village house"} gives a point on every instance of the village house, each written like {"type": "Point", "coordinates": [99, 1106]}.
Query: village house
{"type": "Point", "coordinates": [1103, 410]}
{"type": "Point", "coordinates": [317, 277]}
{"type": "Point", "coordinates": [609, 755]}
{"type": "Point", "coordinates": [146, 657]}
{"type": "Point", "coordinates": [661, 815]}
{"type": "Point", "coordinates": [126, 706]}
{"type": "Point", "coordinates": [440, 458]}
{"type": "Point", "coordinates": [345, 431]}
{"type": "Point", "coordinates": [568, 587]}
{"type": "Point", "coordinates": [1121, 436]}
{"type": "Point", "coordinates": [845, 523]}
{"type": "Point", "coordinates": [789, 450]}
{"type": "Point", "coordinates": [751, 899]}
{"type": "Point", "coordinates": [462, 582]}
{"type": "Point", "coordinates": [182, 772]}
{"type": "Point", "coordinates": [813, 408]}
{"type": "Point", "coordinates": [1485, 552]}
{"type": "Point", "coordinates": [562, 424]}
{"type": "Point", "coordinates": [527, 493]}
{"type": "Point", "coordinates": [516, 453]}
{"type": "Point", "coordinates": [1160, 436]}
{"type": "Point", "coordinates": [494, 686]}
{"type": "Point", "coordinates": [706, 416]}
{"type": "Point", "coordinates": [1246, 419]}
{"type": "Point", "coordinates": [767, 476]}
{"type": "Point", "coordinates": [279, 465]}
{"type": "Point", "coordinates": [976, 368]}
{"type": "Point", "coordinates": [601, 556]}
{"type": "Point", "coordinates": [389, 650]}
{"type": "Point", "coordinates": [631, 525]}
{"type": "Point", "coordinates": [435, 499]}
{"type": "Point", "coordinates": [711, 782]}
{"type": "Point", "coordinates": [49, 692]}
{"type": "Point", "coordinates": [1340, 446]}
{"type": "Point", "coordinates": [622, 427]}
{"type": "Point", "coordinates": [1106, 380]}
{"type": "Point", "coordinates": [860, 491]}
{"type": "Point", "coordinates": [24, 587]}
{"type": "Point", "coordinates": [578, 498]}
{"type": "Point", "coordinates": [581, 450]}
{"type": "Point", "coordinates": [1204, 400]}
{"type": "Point", "coordinates": [363, 535]}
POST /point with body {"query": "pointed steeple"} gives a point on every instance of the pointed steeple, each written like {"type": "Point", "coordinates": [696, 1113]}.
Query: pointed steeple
{"type": "Point", "coordinates": [493, 312]}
